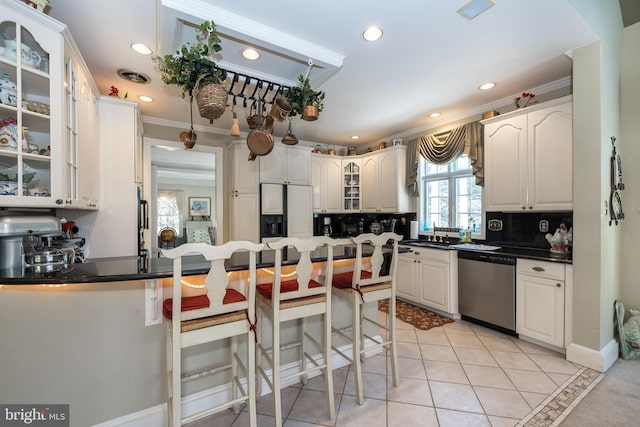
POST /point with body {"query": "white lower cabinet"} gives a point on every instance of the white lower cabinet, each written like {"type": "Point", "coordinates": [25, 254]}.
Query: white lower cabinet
{"type": "Point", "coordinates": [540, 301]}
{"type": "Point", "coordinates": [407, 278]}
{"type": "Point", "coordinates": [427, 277]}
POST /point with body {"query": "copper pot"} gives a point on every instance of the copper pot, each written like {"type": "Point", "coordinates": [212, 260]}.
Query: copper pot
{"type": "Point", "coordinates": [260, 141]}
{"type": "Point", "coordinates": [188, 138]}
{"type": "Point", "coordinates": [280, 109]}
{"type": "Point", "coordinates": [289, 138]}
{"type": "Point", "coordinates": [310, 113]}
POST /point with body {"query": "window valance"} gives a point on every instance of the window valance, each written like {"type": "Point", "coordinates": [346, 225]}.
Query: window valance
{"type": "Point", "coordinates": [443, 147]}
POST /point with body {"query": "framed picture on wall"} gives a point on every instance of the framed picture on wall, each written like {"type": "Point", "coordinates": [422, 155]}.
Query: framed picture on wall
{"type": "Point", "coordinates": [199, 206]}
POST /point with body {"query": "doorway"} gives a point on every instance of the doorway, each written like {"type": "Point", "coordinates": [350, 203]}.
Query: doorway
{"type": "Point", "coordinates": [174, 178]}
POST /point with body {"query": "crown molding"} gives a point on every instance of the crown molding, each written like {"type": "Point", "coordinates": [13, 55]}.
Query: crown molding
{"type": "Point", "coordinates": [542, 89]}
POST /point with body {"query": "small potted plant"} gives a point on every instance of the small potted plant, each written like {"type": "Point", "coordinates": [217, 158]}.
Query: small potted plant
{"type": "Point", "coordinates": [191, 69]}
{"type": "Point", "coordinates": [304, 100]}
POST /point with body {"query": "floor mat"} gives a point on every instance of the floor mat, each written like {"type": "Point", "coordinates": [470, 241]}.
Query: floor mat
{"type": "Point", "coordinates": [418, 317]}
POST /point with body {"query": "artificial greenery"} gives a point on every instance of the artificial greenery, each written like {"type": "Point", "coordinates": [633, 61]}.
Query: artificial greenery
{"type": "Point", "coordinates": [302, 95]}
{"type": "Point", "coordinates": [191, 61]}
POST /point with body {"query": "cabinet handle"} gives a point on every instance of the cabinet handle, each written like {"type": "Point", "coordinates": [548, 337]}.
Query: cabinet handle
{"type": "Point", "coordinates": [538, 269]}
{"type": "Point", "coordinates": [418, 254]}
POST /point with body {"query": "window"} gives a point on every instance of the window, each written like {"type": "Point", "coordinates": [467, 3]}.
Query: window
{"type": "Point", "coordinates": [169, 208]}
{"type": "Point", "coordinates": [449, 196]}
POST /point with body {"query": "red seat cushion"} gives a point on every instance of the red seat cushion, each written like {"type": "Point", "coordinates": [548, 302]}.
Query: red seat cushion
{"type": "Point", "coordinates": [345, 280]}
{"type": "Point", "coordinates": [200, 301]}
{"type": "Point", "coordinates": [265, 289]}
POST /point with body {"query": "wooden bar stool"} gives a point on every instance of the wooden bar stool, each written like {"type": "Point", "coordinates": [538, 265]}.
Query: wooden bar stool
{"type": "Point", "coordinates": [297, 298]}
{"type": "Point", "coordinates": [364, 285]}
{"type": "Point", "coordinates": [222, 313]}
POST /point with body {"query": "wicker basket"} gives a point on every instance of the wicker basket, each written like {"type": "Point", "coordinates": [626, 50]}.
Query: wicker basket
{"type": "Point", "coordinates": [211, 99]}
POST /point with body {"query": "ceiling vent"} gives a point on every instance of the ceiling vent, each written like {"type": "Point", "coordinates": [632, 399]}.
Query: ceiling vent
{"type": "Point", "coordinates": [474, 8]}
{"type": "Point", "coordinates": [134, 76]}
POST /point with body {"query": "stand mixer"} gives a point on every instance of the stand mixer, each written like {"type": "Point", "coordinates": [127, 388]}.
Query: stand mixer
{"type": "Point", "coordinates": [21, 244]}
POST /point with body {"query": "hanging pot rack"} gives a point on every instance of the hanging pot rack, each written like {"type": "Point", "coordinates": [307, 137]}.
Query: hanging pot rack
{"type": "Point", "coordinates": [263, 90]}
{"type": "Point", "coordinates": [241, 84]}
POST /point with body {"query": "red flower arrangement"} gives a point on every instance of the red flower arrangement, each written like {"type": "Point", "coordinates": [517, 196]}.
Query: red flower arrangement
{"type": "Point", "coordinates": [116, 94]}
{"type": "Point", "coordinates": [525, 100]}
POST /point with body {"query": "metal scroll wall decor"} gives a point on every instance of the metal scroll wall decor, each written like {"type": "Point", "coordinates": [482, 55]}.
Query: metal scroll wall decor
{"type": "Point", "coordinates": [615, 202]}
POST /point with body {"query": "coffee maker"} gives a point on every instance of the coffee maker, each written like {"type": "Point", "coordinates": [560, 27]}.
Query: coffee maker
{"type": "Point", "coordinates": [19, 237]}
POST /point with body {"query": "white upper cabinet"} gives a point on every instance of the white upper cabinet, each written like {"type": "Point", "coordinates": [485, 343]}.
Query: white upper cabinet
{"type": "Point", "coordinates": [529, 159]}
{"type": "Point", "coordinates": [326, 180]}
{"type": "Point", "coordinates": [42, 118]}
{"type": "Point", "coordinates": [383, 181]}
{"type": "Point", "coordinates": [244, 174]}
{"type": "Point", "coordinates": [286, 165]}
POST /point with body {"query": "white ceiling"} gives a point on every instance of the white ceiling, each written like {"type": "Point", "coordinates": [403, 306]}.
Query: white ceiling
{"type": "Point", "coordinates": [429, 59]}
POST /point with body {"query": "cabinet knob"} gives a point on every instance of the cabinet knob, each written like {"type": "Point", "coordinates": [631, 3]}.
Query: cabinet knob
{"type": "Point", "coordinates": [558, 285]}
{"type": "Point", "coordinates": [530, 207]}
{"type": "Point", "coordinates": [59, 201]}
{"type": "Point", "coordinates": [524, 207]}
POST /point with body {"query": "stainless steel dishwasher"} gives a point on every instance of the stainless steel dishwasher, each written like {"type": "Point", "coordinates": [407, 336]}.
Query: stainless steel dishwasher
{"type": "Point", "coordinates": [487, 290]}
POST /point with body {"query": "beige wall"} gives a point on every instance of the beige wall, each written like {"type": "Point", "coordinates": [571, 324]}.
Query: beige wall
{"type": "Point", "coordinates": [596, 100]}
{"type": "Point", "coordinates": [630, 149]}
{"type": "Point", "coordinates": [87, 345]}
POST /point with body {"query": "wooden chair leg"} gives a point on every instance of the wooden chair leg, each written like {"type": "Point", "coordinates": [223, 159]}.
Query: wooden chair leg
{"type": "Point", "coordinates": [363, 355]}
{"type": "Point", "coordinates": [394, 345]}
{"type": "Point", "coordinates": [328, 372]}
{"type": "Point", "coordinates": [303, 348]}
{"type": "Point", "coordinates": [176, 380]}
{"type": "Point", "coordinates": [258, 358]}
{"type": "Point", "coordinates": [234, 372]}
{"type": "Point", "coordinates": [251, 380]}
{"type": "Point", "coordinates": [277, 400]}
{"type": "Point", "coordinates": [357, 349]}
{"type": "Point", "coordinates": [169, 348]}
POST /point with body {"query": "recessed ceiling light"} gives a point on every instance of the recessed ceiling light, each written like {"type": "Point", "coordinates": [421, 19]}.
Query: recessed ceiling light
{"type": "Point", "coordinates": [141, 48]}
{"type": "Point", "coordinates": [145, 98]}
{"type": "Point", "coordinates": [251, 54]}
{"type": "Point", "coordinates": [486, 86]}
{"type": "Point", "coordinates": [355, 137]}
{"type": "Point", "coordinates": [474, 8]}
{"type": "Point", "coordinates": [372, 34]}
{"type": "Point", "coordinates": [434, 115]}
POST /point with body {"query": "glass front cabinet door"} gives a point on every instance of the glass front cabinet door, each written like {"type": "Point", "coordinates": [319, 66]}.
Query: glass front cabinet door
{"type": "Point", "coordinates": [31, 94]}
{"type": "Point", "coordinates": [351, 184]}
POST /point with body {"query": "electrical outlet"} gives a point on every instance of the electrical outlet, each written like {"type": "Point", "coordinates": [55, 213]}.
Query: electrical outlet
{"type": "Point", "coordinates": [543, 226]}
{"type": "Point", "coordinates": [152, 302]}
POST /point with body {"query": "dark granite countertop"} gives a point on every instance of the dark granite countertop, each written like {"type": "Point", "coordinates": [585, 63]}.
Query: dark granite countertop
{"type": "Point", "coordinates": [137, 268]}
{"type": "Point", "coordinates": [517, 251]}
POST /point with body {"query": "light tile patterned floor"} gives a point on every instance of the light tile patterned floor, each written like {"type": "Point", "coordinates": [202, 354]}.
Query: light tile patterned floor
{"type": "Point", "coordinates": [459, 374]}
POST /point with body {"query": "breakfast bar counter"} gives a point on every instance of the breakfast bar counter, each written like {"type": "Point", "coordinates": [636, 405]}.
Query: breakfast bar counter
{"type": "Point", "coordinates": [143, 268]}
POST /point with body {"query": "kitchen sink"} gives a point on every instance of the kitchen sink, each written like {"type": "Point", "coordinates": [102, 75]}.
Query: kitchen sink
{"type": "Point", "coordinates": [428, 244]}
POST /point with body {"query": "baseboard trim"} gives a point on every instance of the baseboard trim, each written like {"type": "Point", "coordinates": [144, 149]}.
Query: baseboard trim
{"type": "Point", "coordinates": [194, 403]}
{"type": "Point", "coordinates": [600, 361]}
